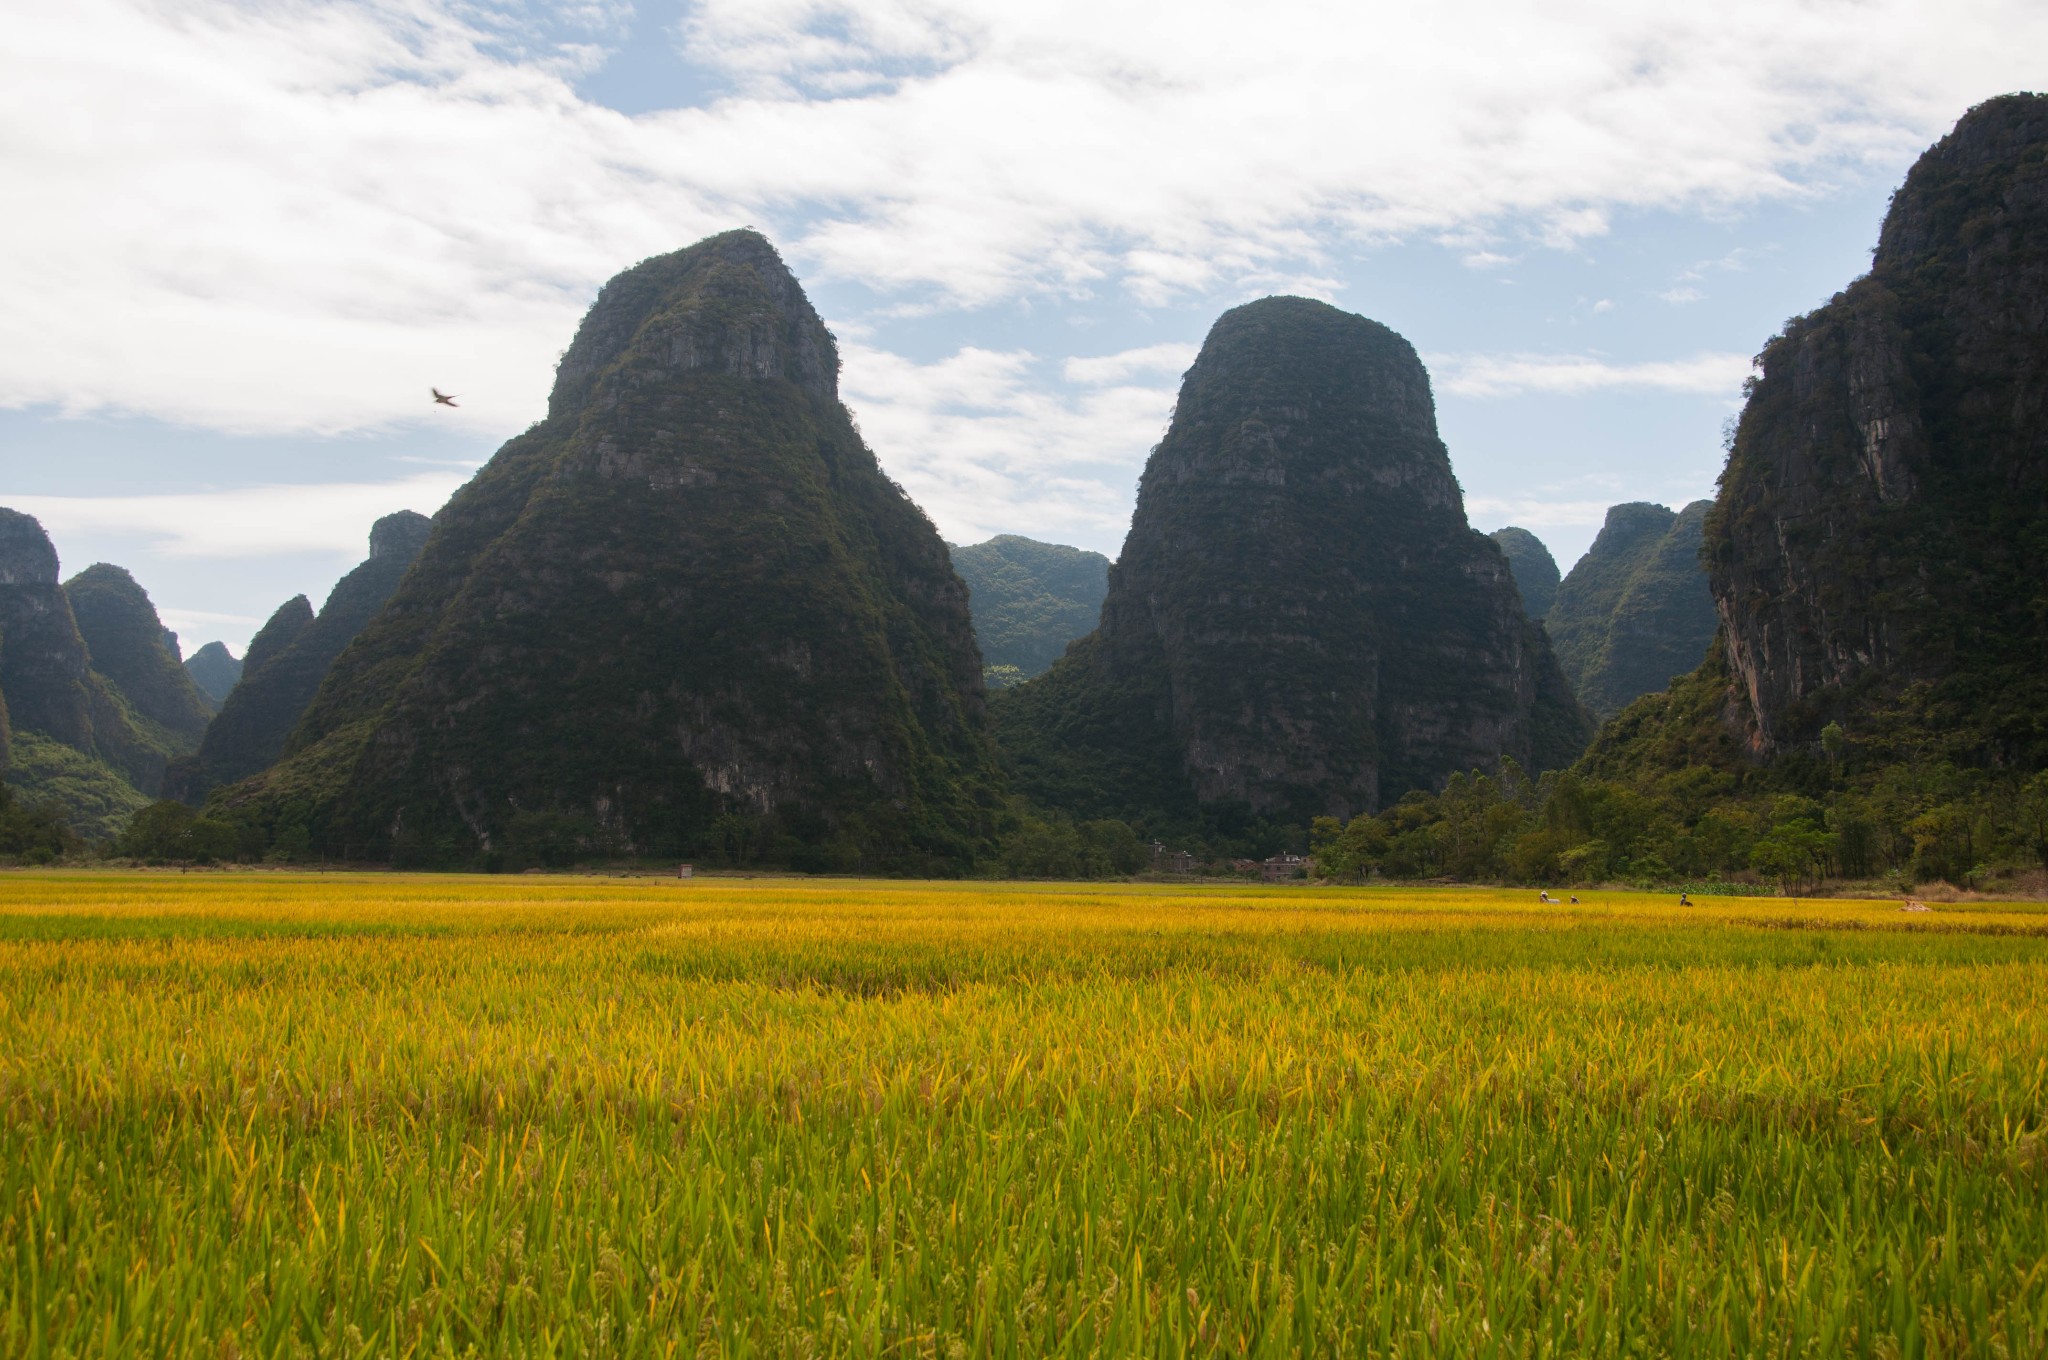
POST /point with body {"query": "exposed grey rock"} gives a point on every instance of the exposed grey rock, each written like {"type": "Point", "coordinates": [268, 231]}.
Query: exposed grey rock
{"type": "Point", "coordinates": [1884, 515]}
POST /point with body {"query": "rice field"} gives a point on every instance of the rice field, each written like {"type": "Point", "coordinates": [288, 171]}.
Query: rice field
{"type": "Point", "coordinates": [274, 1115]}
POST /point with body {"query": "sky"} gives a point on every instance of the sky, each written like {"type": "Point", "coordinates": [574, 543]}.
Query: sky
{"type": "Point", "coordinates": [243, 240]}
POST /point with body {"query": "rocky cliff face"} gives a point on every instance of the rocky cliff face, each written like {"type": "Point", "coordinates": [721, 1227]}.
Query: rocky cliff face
{"type": "Point", "coordinates": [1884, 514]}
{"type": "Point", "coordinates": [129, 645]}
{"type": "Point", "coordinates": [74, 737]}
{"type": "Point", "coordinates": [1030, 599]}
{"type": "Point", "coordinates": [215, 670]}
{"type": "Point", "coordinates": [1301, 622]}
{"type": "Point", "coordinates": [1635, 612]}
{"type": "Point", "coordinates": [686, 613]}
{"type": "Point", "coordinates": [1534, 569]}
{"type": "Point", "coordinates": [289, 658]}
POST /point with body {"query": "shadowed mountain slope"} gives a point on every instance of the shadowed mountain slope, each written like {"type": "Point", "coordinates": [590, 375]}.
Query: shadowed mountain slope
{"type": "Point", "coordinates": [129, 646]}
{"type": "Point", "coordinates": [73, 738]}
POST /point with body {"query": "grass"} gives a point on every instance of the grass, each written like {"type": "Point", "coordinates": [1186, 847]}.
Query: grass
{"type": "Point", "coordinates": [264, 1114]}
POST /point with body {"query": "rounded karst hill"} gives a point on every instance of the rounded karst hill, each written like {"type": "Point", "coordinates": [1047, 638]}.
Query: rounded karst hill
{"type": "Point", "coordinates": [1302, 622]}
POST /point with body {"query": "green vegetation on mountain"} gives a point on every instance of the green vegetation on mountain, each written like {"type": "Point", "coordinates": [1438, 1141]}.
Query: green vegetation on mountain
{"type": "Point", "coordinates": [1876, 705]}
{"type": "Point", "coordinates": [1534, 569]}
{"type": "Point", "coordinates": [128, 645]}
{"type": "Point", "coordinates": [290, 658]}
{"type": "Point", "coordinates": [1635, 611]}
{"type": "Point", "coordinates": [215, 670]}
{"type": "Point", "coordinates": [1029, 600]}
{"type": "Point", "coordinates": [685, 615]}
{"type": "Point", "coordinates": [32, 833]}
{"type": "Point", "coordinates": [1302, 621]}
{"type": "Point", "coordinates": [75, 741]}
{"type": "Point", "coordinates": [1884, 515]}
{"type": "Point", "coordinates": [89, 795]}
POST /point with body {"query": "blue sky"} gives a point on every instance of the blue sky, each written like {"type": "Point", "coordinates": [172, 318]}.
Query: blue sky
{"type": "Point", "coordinates": [244, 239]}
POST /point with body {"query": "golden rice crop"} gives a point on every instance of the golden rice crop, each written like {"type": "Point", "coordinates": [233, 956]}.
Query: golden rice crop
{"type": "Point", "coordinates": [260, 1114]}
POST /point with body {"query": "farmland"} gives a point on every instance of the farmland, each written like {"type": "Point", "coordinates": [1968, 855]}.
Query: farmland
{"type": "Point", "coordinates": [267, 1114]}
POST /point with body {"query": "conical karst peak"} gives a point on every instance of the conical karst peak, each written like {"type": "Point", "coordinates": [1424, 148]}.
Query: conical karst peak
{"type": "Point", "coordinates": [27, 557]}
{"type": "Point", "coordinates": [727, 304]}
{"type": "Point", "coordinates": [689, 599]}
{"type": "Point", "coordinates": [129, 645]}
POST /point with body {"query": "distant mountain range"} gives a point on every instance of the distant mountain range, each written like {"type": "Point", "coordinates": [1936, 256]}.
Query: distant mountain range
{"type": "Point", "coordinates": [93, 701]}
{"type": "Point", "coordinates": [289, 659]}
{"type": "Point", "coordinates": [687, 614]}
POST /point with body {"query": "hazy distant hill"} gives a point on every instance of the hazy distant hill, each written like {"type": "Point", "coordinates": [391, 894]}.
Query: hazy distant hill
{"type": "Point", "coordinates": [73, 736]}
{"type": "Point", "coordinates": [289, 658]}
{"type": "Point", "coordinates": [215, 670]}
{"type": "Point", "coordinates": [1634, 613]}
{"type": "Point", "coordinates": [1030, 599]}
{"type": "Point", "coordinates": [1301, 622]}
{"type": "Point", "coordinates": [1535, 570]}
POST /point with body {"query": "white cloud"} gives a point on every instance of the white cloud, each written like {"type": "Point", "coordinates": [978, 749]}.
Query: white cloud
{"type": "Point", "coordinates": [191, 625]}
{"type": "Point", "coordinates": [255, 521]}
{"type": "Point", "coordinates": [1165, 360]}
{"type": "Point", "coordinates": [297, 215]}
{"type": "Point", "coordinates": [1506, 375]}
{"type": "Point", "coordinates": [1680, 294]}
{"type": "Point", "coordinates": [1534, 512]}
{"type": "Point", "coordinates": [986, 445]}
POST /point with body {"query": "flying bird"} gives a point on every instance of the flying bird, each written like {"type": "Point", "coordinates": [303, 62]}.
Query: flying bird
{"type": "Point", "coordinates": [441, 397]}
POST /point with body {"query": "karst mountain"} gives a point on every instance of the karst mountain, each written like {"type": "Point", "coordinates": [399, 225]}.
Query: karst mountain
{"type": "Point", "coordinates": [1875, 553]}
{"type": "Point", "coordinates": [95, 701]}
{"type": "Point", "coordinates": [1302, 622]}
{"type": "Point", "coordinates": [685, 613]}
{"type": "Point", "coordinates": [289, 658]}
{"type": "Point", "coordinates": [215, 669]}
{"type": "Point", "coordinates": [1635, 612]}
